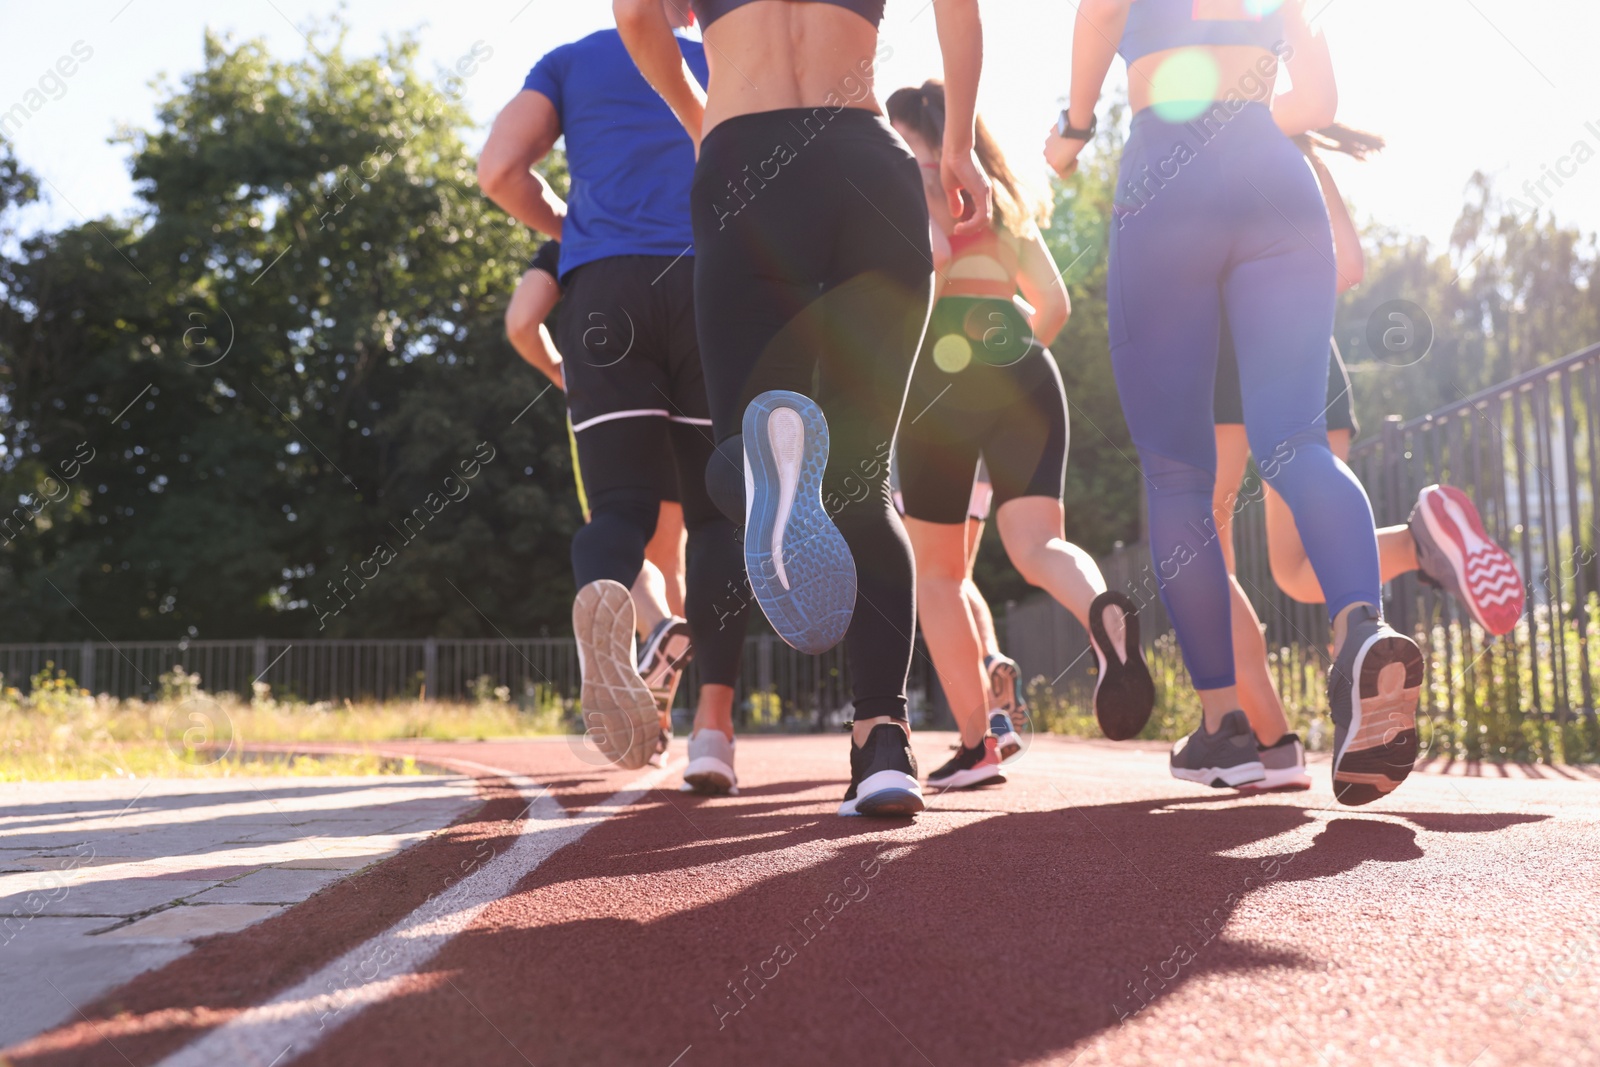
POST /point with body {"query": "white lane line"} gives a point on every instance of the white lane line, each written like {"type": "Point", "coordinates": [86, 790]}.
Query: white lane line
{"type": "Point", "coordinates": [313, 1009]}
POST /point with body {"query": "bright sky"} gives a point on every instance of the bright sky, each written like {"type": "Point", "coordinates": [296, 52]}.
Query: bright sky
{"type": "Point", "coordinates": [1506, 86]}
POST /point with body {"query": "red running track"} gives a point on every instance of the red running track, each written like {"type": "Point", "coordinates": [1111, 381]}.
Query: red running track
{"type": "Point", "coordinates": [1091, 911]}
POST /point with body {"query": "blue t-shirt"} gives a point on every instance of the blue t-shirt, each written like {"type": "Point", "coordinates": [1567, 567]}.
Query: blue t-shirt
{"type": "Point", "coordinates": [630, 160]}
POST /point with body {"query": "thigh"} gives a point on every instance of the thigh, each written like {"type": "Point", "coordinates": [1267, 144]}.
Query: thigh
{"type": "Point", "coordinates": [1279, 298]}
{"type": "Point", "coordinates": [611, 341]}
{"type": "Point", "coordinates": [631, 453]}
{"type": "Point", "coordinates": [1164, 317]}
{"type": "Point", "coordinates": [868, 324]}
{"type": "Point", "coordinates": [680, 341]}
{"type": "Point", "coordinates": [691, 450]}
{"type": "Point", "coordinates": [937, 458]}
{"type": "Point", "coordinates": [1026, 446]}
{"type": "Point", "coordinates": [757, 265]}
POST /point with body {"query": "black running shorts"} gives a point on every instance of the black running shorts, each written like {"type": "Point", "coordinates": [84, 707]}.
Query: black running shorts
{"type": "Point", "coordinates": [632, 364]}
{"type": "Point", "coordinates": [1010, 412]}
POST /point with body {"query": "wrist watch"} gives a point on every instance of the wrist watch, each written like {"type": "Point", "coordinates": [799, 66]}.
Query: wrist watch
{"type": "Point", "coordinates": [1065, 129]}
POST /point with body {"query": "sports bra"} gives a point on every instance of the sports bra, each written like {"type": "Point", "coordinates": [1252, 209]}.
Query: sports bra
{"type": "Point", "coordinates": [1154, 25]}
{"type": "Point", "coordinates": [985, 243]}
{"type": "Point", "coordinates": [709, 11]}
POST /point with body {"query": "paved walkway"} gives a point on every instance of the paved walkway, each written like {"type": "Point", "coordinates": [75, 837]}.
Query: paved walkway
{"type": "Point", "coordinates": [102, 880]}
{"type": "Point", "coordinates": [1092, 911]}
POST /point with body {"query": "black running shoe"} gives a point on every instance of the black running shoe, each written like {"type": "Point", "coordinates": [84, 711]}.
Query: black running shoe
{"type": "Point", "coordinates": [969, 767]}
{"type": "Point", "coordinates": [1124, 693]}
{"type": "Point", "coordinates": [664, 655]}
{"type": "Point", "coordinates": [883, 775]}
{"type": "Point", "coordinates": [1373, 690]}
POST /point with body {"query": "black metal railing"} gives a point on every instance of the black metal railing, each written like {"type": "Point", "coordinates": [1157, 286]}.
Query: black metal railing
{"type": "Point", "coordinates": [1524, 451]}
{"type": "Point", "coordinates": [779, 688]}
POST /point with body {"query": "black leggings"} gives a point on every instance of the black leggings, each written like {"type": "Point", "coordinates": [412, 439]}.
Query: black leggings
{"type": "Point", "coordinates": [812, 262]}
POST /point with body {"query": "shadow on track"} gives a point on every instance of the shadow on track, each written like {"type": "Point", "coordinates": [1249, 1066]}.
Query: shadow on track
{"type": "Point", "coordinates": [799, 939]}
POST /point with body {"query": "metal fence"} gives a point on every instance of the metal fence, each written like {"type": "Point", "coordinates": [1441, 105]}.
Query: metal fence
{"type": "Point", "coordinates": [1524, 452]}
{"type": "Point", "coordinates": [779, 688]}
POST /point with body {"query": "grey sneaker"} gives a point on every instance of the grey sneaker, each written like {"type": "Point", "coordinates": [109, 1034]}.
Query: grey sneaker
{"type": "Point", "coordinates": [1285, 765]}
{"type": "Point", "coordinates": [710, 768]}
{"type": "Point", "coordinates": [1222, 759]}
{"type": "Point", "coordinates": [1373, 688]}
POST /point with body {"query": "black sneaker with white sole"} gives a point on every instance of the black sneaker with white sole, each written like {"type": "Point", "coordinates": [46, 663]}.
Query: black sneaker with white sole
{"type": "Point", "coordinates": [665, 653]}
{"type": "Point", "coordinates": [1373, 690]}
{"type": "Point", "coordinates": [1124, 692]}
{"type": "Point", "coordinates": [883, 775]}
{"type": "Point", "coordinates": [969, 767]}
{"type": "Point", "coordinates": [1227, 758]}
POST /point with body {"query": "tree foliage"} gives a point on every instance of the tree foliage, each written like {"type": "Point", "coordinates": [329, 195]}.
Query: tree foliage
{"type": "Point", "coordinates": [253, 407]}
{"type": "Point", "coordinates": [291, 350]}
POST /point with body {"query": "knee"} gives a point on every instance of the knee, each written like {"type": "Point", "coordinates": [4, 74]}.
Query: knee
{"type": "Point", "coordinates": [1169, 477]}
{"type": "Point", "coordinates": [633, 508]}
{"type": "Point", "coordinates": [1276, 454]}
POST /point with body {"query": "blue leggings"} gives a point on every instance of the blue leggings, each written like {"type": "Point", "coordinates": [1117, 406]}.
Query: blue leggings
{"type": "Point", "coordinates": [1222, 215]}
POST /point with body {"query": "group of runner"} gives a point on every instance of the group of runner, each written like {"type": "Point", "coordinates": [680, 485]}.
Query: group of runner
{"type": "Point", "coordinates": [774, 290]}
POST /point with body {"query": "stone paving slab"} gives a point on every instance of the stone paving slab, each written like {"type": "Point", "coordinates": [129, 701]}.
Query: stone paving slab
{"type": "Point", "coordinates": [187, 922]}
{"type": "Point", "coordinates": [270, 886]}
{"type": "Point", "coordinates": [102, 880]}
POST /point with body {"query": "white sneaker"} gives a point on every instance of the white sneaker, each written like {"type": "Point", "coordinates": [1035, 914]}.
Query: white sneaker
{"type": "Point", "coordinates": [710, 769]}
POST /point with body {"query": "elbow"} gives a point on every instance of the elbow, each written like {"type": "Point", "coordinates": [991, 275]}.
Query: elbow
{"type": "Point", "coordinates": [630, 14]}
{"type": "Point", "coordinates": [493, 176]}
{"type": "Point", "coordinates": [1101, 11]}
{"type": "Point", "coordinates": [1351, 274]}
{"type": "Point", "coordinates": [1325, 110]}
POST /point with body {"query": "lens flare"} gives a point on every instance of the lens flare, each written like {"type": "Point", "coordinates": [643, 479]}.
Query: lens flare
{"type": "Point", "coordinates": [952, 353]}
{"type": "Point", "coordinates": [1183, 85]}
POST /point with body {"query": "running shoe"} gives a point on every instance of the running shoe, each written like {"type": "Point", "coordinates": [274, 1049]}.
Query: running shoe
{"type": "Point", "coordinates": [883, 775]}
{"type": "Point", "coordinates": [1373, 688]}
{"type": "Point", "coordinates": [1454, 553]}
{"type": "Point", "coordinates": [800, 569]}
{"type": "Point", "coordinates": [1007, 740]}
{"type": "Point", "coordinates": [664, 655]}
{"type": "Point", "coordinates": [1005, 688]}
{"type": "Point", "coordinates": [618, 708]}
{"type": "Point", "coordinates": [710, 769]}
{"type": "Point", "coordinates": [1222, 759]}
{"type": "Point", "coordinates": [1285, 765]}
{"type": "Point", "coordinates": [969, 767]}
{"type": "Point", "coordinates": [1124, 693]}
{"type": "Point", "coordinates": [658, 758]}
{"type": "Point", "coordinates": [662, 658]}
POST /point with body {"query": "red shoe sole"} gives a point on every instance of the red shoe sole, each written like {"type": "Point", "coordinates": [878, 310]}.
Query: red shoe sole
{"type": "Point", "coordinates": [1488, 577]}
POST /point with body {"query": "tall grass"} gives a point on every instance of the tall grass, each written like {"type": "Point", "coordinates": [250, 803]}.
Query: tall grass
{"type": "Point", "coordinates": [59, 730]}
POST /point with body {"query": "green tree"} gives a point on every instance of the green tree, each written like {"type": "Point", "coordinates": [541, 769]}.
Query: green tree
{"type": "Point", "coordinates": [304, 325]}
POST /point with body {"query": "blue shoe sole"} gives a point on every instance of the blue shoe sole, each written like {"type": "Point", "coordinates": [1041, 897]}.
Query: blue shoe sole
{"type": "Point", "coordinates": [808, 590]}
